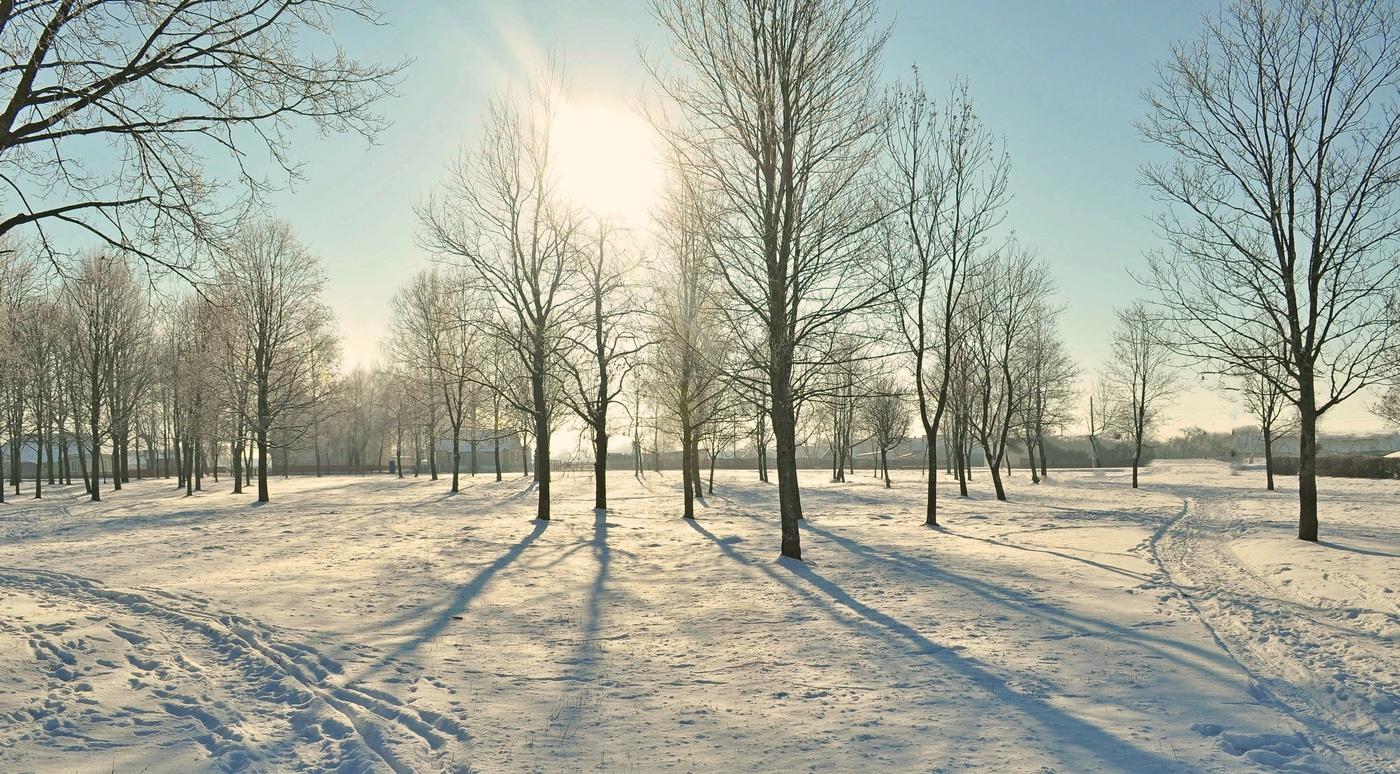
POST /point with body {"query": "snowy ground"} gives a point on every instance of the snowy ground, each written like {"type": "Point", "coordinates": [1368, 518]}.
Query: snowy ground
{"type": "Point", "coordinates": [372, 624]}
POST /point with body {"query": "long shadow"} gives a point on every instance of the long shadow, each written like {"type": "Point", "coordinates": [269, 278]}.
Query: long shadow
{"type": "Point", "coordinates": [460, 600]}
{"type": "Point", "coordinates": [1137, 576]}
{"type": "Point", "coordinates": [1355, 550]}
{"type": "Point", "coordinates": [585, 660]}
{"type": "Point", "coordinates": [1082, 624]}
{"type": "Point", "coordinates": [828, 595]}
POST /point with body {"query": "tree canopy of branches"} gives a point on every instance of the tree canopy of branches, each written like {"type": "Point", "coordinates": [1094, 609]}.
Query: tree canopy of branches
{"type": "Point", "coordinates": [113, 111]}
{"type": "Point", "coordinates": [778, 127]}
{"type": "Point", "coordinates": [1141, 373]}
{"type": "Point", "coordinates": [948, 189]}
{"type": "Point", "coordinates": [605, 346]}
{"type": "Point", "coordinates": [274, 286]}
{"type": "Point", "coordinates": [1282, 219]}
{"type": "Point", "coordinates": [885, 414]}
{"type": "Point", "coordinates": [500, 218]}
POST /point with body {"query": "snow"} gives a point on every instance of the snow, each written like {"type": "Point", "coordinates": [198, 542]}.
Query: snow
{"type": "Point", "coordinates": [374, 624]}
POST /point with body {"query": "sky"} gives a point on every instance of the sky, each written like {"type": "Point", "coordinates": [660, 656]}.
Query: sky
{"type": "Point", "coordinates": [1062, 81]}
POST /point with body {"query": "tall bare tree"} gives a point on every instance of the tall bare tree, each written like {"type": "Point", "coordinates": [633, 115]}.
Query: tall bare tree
{"type": "Point", "coordinates": [779, 123]}
{"type": "Point", "coordinates": [948, 189]}
{"type": "Point", "coordinates": [1265, 401]}
{"type": "Point", "coordinates": [499, 217]}
{"type": "Point", "coordinates": [885, 414]}
{"type": "Point", "coordinates": [1141, 372]}
{"type": "Point", "coordinates": [1283, 124]}
{"type": "Point", "coordinates": [605, 347]}
{"type": "Point", "coordinates": [687, 359]}
{"type": "Point", "coordinates": [1050, 376]}
{"type": "Point", "coordinates": [275, 287]}
{"type": "Point", "coordinates": [102, 296]}
{"type": "Point", "coordinates": [1001, 312]}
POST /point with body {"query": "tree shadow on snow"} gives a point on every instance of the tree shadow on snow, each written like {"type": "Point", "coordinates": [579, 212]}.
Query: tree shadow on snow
{"type": "Point", "coordinates": [454, 607]}
{"type": "Point", "coordinates": [829, 596]}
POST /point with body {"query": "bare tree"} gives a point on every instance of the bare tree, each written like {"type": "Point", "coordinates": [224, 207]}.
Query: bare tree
{"type": "Point", "coordinates": [17, 287]}
{"type": "Point", "coordinates": [113, 109]}
{"type": "Point", "coordinates": [1283, 123]}
{"type": "Point", "coordinates": [499, 217]}
{"type": "Point", "coordinates": [948, 189]}
{"type": "Point", "coordinates": [886, 415]}
{"type": "Point", "coordinates": [275, 287]}
{"type": "Point", "coordinates": [1388, 407]}
{"type": "Point", "coordinates": [1002, 312]}
{"type": "Point", "coordinates": [1141, 373]}
{"type": "Point", "coordinates": [779, 124]}
{"type": "Point", "coordinates": [101, 295]}
{"type": "Point", "coordinates": [1104, 415]}
{"type": "Point", "coordinates": [1050, 375]}
{"type": "Point", "coordinates": [687, 358]}
{"type": "Point", "coordinates": [1274, 413]}
{"type": "Point", "coordinates": [605, 347]}
{"type": "Point", "coordinates": [438, 334]}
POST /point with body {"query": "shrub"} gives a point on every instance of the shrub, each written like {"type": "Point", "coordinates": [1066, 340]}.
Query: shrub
{"type": "Point", "coordinates": [1344, 466]}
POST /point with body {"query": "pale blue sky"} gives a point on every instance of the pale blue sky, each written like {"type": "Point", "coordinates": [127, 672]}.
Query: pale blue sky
{"type": "Point", "coordinates": [1061, 80]}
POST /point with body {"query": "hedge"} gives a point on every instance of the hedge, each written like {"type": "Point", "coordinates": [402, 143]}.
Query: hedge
{"type": "Point", "coordinates": [1344, 466]}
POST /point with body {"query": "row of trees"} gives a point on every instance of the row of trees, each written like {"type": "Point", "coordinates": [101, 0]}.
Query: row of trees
{"type": "Point", "coordinates": [118, 121]}
{"type": "Point", "coordinates": [104, 364]}
{"type": "Point", "coordinates": [1282, 133]}
{"type": "Point", "coordinates": [765, 307]}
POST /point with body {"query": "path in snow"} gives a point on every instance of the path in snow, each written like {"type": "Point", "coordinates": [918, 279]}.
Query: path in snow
{"type": "Point", "coordinates": [1332, 665]}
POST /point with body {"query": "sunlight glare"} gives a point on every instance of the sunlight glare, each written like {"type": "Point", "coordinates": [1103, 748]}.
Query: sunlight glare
{"type": "Point", "coordinates": [606, 161]}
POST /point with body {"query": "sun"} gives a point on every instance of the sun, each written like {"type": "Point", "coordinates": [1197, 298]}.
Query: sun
{"type": "Point", "coordinates": [606, 160]}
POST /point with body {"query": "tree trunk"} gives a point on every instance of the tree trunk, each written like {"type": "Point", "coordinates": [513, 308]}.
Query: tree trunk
{"type": "Point", "coordinates": [96, 490]}
{"type": "Point", "coordinates": [456, 457]}
{"type": "Point", "coordinates": [263, 496]}
{"type": "Point", "coordinates": [1307, 462]}
{"type": "Point", "coordinates": [38, 470]}
{"type": "Point", "coordinates": [1137, 460]}
{"type": "Point", "coordinates": [885, 465]}
{"type": "Point", "coordinates": [541, 437]}
{"type": "Point", "coordinates": [600, 468]}
{"type": "Point", "coordinates": [789, 495]}
{"type": "Point", "coordinates": [1269, 458]}
{"type": "Point", "coordinates": [238, 465]}
{"type": "Point", "coordinates": [82, 463]}
{"type": "Point", "coordinates": [496, 440]}
{"type": "Point", "coordinates": [686, 468]}
{"type": "Point", "coordinates": [710, 487]}
{"type": "Point", "coordinates": [996, 481]}
{"type": "Point", "coordinates": [695, 471]}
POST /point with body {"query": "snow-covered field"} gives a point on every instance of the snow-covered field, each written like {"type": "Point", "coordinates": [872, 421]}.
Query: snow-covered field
{"type": "Point", "coordinates": [373, 624]}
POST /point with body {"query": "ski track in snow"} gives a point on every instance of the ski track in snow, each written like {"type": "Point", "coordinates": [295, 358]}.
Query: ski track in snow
{"type": "Point", "coordinates": [181, 653]}
{"type": "Point", "coordinates": [1339, 679]}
